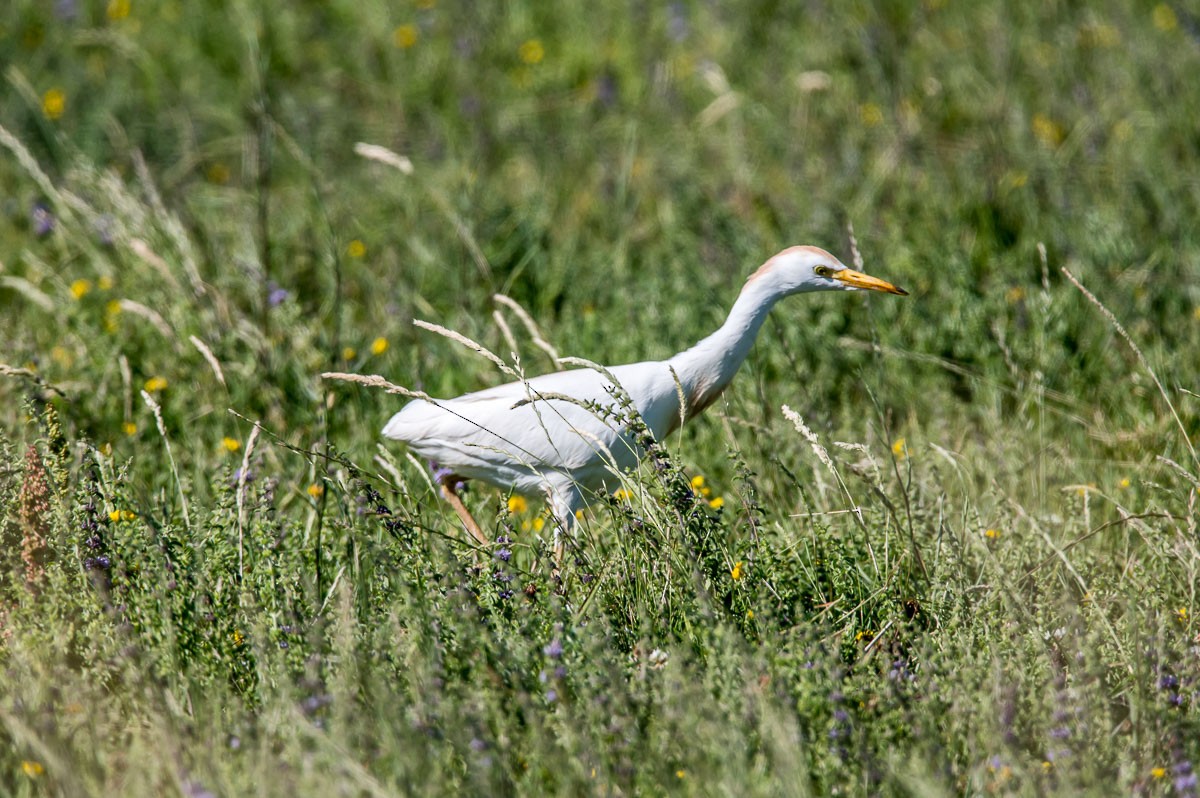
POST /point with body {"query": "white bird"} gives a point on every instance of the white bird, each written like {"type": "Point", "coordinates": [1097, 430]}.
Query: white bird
{"type": "Point", "coordinates": [516, 436]}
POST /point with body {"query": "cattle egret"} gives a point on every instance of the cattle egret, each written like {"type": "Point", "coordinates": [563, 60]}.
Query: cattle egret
{"type": "Point", "coordinates": [520, 437]}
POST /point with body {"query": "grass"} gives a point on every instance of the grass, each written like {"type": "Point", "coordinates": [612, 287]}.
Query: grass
{"type": "Point", "coordinates": [975, 573]}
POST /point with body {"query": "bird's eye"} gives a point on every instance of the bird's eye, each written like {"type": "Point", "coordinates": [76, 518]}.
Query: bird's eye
{"type": "Point", "coordinates": [823, 271]}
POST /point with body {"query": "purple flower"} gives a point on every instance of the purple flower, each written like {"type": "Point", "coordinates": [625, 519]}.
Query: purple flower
{"type": "Point", "coordinates": [551, 695]}
{"type": "Point", "coordinates": [66, 10]}
{"type": "Point", "coordinates": [554, 650]}
{"type": "Point", "coordinates": [276, 295]}
{"type": "Point", "coordinates": [1060, 733]}
{"type": "Point", "coordinates": [1186, 783]}
{"type": "Point", "coordinates": [42, 219]}
{"type": "Point", "coordinates": [504, 555]}
{"type": "Point", "coordinates": [1168, 682]}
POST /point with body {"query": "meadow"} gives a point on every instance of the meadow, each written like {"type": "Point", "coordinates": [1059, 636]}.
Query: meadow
{"type": "Point", "coordinates": [943, 544]}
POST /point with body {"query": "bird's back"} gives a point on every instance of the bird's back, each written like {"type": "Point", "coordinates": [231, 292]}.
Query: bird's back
{"type": "Point", "coordinates": [513, 434]}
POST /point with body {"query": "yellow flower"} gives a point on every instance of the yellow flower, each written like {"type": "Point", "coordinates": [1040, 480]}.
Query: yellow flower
{"type": "Point", "coordinates": [532, 52]}
{"type": "Point", "coordinates": [1164, 17]}
{"type": "Point", "coordinates": [237, 637]}
{"type": "Point", "coordinates": [128, 515]}
{"type": "Point", "coordinates": [316, 489]}
{"type": "Point", "coordinates": [130, 428]}
{"type": "Point", "coordinates": [992, 534]}
{"type": "Point", "coordinates": [118, 9]}
{"type": "Point", "coordinates": [1158, 773]}
{"type": "Point", "coordinates": [54, 102]}
{"type": "Point", "coordinates": [379, 346]}
{"type": "Point", "coordinates": [1125, 483]}
{"type": "Point", "coordinates": [749, 615]}
{"type": "Point", "coordinates": [679, 774]}
{"type": "Point", "coordinates": [865, 634]}
{"type": "Point", "coordinates": [539, 523]}
{"type": "Point", "coordinates": [231, 444]}
{"type": "Point", "coordinates": [579, 515]}
{"type": "Point", "coordinates": [349, 353]}
{"type": "Point", "coordinates": [217, 173]}
{"type": "Point", "coordinates": [622, 495]}
{"type": "Point", "coordinates": [697, 482]}
{"type": "Point", "coordinates": [517, 505]}
{"type": "Point", "coordinates": [356, 248]}
{"type": "Point", "coordinates": [1047, 131]}
{"type": "Point", "coordinates": [105, 283]}
{"type": "Point", "coordinates": [80, 288]}
{"type": "Point", "coordinates": [871, 114]}
{"type": "Point", "coordinates": [155, 384]}
{"type": "Point", "coordinates": [900, 449]}
{"type": "Point", "coordinates": [736, 573]}
{"type": "Point", "coordinates": [1047, 766]}
{"type": "Point", "coordinates": [1182, 614]}
{"type": "Point", "coordinates": [32, 768]}
{"type": "Point", "coordinates": [114, 516]}
{"type": "Point", "coordinates": [405, 36]}
{"type": "Point", "coordinates": [113, 308]}
{"type": "Point", "coordinates": [716, 503]}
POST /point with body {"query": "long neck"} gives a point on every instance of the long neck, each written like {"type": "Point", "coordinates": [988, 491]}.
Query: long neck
{"type": "Point", "coordinates": [709, 366]}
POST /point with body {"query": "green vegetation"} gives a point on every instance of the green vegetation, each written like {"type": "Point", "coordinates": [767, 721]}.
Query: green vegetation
{"type": "Point", "coordinates": [214, 580]}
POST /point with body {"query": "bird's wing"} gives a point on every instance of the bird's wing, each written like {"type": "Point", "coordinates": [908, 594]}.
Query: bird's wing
{"type": "Point", "coordinates": [516, 428]}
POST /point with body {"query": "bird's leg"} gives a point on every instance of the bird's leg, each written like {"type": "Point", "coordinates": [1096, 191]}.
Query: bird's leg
{"type": "Point", "coordinates": [464, 514]}
{"type": "Point", "coordinates": [564, 501]}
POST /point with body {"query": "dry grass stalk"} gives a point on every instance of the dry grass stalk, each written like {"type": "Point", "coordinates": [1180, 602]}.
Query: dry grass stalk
{"type": "Point", "coordinates": [150, 315]}
{"type": "Point", "coordinates": [530, 325]}
{"type": "Point", "coordinates": [383, 155]}
{"type": "Point", "coordinates": [33, 514]}
{"type": "Point", "coordinates": [477, 348]}
{"type": "Point", "coordinates": [207, 354]}
{"type": "Point", "coordinates": [375, 381]}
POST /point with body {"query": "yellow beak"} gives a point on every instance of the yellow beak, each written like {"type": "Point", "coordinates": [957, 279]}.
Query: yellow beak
{"type": "Point", "coordinates": [867, 282]}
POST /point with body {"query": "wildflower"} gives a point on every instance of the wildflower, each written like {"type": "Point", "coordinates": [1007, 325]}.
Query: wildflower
{"type": "Point", "coordinates": [717, 503]}
{"type": "Point", "coordinates": [1182, 614]}
{"type": "Point", "coordinates": [349, 353]}
{"type": "Point", "coordinates": [54, 102]}
{"type": "Point", "coordinates": [118, 9]}
{"type": "Point", "coordinates": [864, 634]}
{"type": "Point", "coordinates": [532, 52]}
{"type": "Point", "coordinates": [1158, 773]}
{"type": "Point", "coordinates": [504, 554]}
{"type": "Point", "coordinates": [871, 114]}
{"type": "Point", "coordinates": [405, 36]}
{"type": "Point", "coordinates": [32, 768]}
{"type": "Point", "coordinates": [517, 505]}
{"type": "Point", "coordinates": [80, 288]}
{"type": "Point", "coordinates": [1164, 17]}
{"type": "Point", "coordinates": [900, 449]}
{"type": "Point", "coordinates": [736, 573]}
{"type": "Point", "coordinates": [538, 524]}
{"type": "Point", "coordinates": [992, 534]}
{"type": "Point", "coordinates": [231, 444]}
{"type": "Point", "coordinates": [681, 773]}
{"type": "Point", "coordinates": [379, 346]}
{"type": "Point", "coordinates": [128, 515]}
{"type": "Point", "coordinates": [113, 307]}
{"type": "Point", "coordinates": [155, 384]}
{"type": "Point", "coordinates": [356, 249]}
{"type": "Point", "coordinates": [217, 173]}
{"type": "Point", "coordinates": [129, 428]}
{"type": "Point", "coordinates": [554, 649]}
{"type": "Point", "coordinates": [276, 295]}
{"type": "Point", "coordinates": [1047, 131]}
{"type": "Point", "coordinates": [622, 495]}
{"type": "Point", "coordinates": [115, 515]}
{"type": "Point", "coordinates": [42, 219]}
{"type": "Point", "coordinates": [316, 490]}
{"type": "Point", "coordinates": [1047, 766]}
{"type": "Point", "coordinates": [697, 482]}
{"type": "Point", "coordinates": [237, 637]}
{"type": "Point", "coordinates": [105, 283]}
{"type": "Point", "coordinates": [1125, 482]}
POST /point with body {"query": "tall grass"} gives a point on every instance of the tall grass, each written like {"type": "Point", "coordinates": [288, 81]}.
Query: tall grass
{"type": "Point", "coordinates": [945, 545]}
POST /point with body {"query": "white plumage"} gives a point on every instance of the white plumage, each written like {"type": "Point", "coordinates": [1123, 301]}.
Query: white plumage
{"type": "Point", "coordinates": [515, 436]}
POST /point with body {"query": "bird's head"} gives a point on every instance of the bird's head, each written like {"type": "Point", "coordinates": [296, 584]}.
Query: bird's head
{"type": "Point", "coordinates": [799, 270]}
